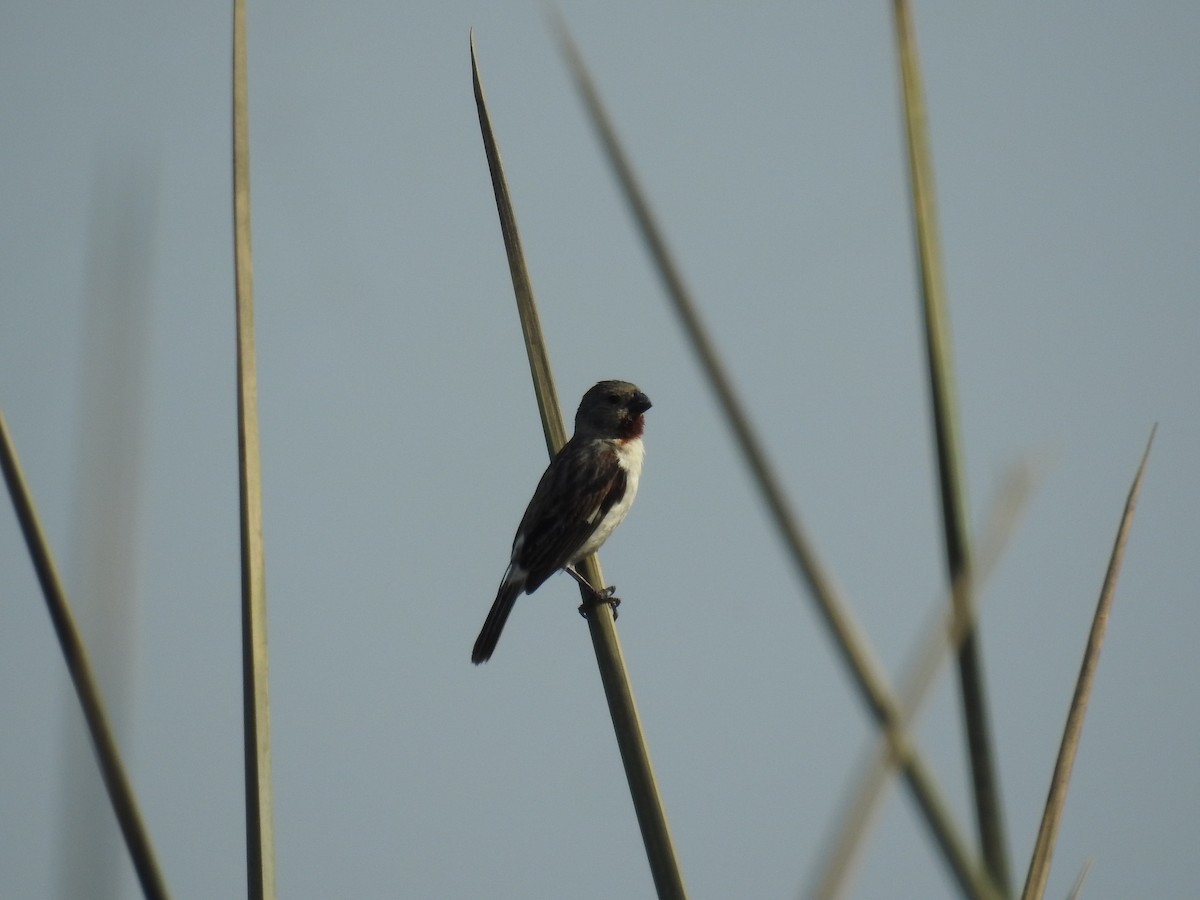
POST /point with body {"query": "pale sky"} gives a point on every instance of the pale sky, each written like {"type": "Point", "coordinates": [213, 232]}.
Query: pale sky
{"type": "Point", "coordinates": [400, 439]}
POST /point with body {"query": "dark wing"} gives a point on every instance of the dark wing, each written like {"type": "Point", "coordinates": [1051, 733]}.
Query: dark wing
{"type": "Point", "coordinates": [578, 488]}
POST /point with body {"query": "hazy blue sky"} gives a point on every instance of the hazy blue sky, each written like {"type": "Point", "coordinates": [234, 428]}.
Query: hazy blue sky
{"type": "Point", "coordinates": [400, 438]}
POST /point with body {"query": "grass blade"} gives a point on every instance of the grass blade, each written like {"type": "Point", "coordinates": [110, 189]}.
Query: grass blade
{"type": "Point", "coordinates": [1043, 850]}
{"type": "Point", "coordinates": [652, 819]}
{"type": "Point", "coordinates": [989, 814]}
{"type": "Point", "coordinates": [115, 780]}
{"type": "Point", "coordinates": [847, 634]}
{"type": "Point", "coordinates": [260, 842]}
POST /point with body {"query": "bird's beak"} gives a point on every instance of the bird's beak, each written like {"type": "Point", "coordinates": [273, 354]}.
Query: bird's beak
{"type": "Point", "coordinates": [639, 403]}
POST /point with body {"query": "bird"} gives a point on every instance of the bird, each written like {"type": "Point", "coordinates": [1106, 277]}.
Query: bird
{"type": "Point", "coordinates": [584, 494]}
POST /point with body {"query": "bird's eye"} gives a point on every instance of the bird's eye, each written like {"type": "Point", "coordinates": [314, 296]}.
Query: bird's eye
{"type": "Point", "coordinates": [614, 399]}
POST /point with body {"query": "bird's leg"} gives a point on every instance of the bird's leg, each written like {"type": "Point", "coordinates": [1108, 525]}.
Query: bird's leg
{"type": "Point", "coordinates": [598, 597]}
{"type": "Point", "coordinates": [603, 596]}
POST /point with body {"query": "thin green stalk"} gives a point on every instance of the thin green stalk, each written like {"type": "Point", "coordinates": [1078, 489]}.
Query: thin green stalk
{"type": "Point", "coordinates": [1043, 850]}
{"type": "Point", "coordinates": [989, 814]}
{"type": "Point", "coordinates": [120, 793]}
{"type": "Point", "coordinates": [652, 819]}
{"type": "Point", "coordinates": [260, 841]}
{"type": "Point", "coordinates": [848, 636]}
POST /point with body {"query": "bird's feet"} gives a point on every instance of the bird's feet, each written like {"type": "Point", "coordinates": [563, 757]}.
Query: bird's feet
{"type": "Point", "coordinates": [598, 597]}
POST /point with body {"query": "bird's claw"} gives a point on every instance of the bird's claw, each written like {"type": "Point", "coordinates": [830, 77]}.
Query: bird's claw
{"type": "Point", "coordinates": [606, 596]}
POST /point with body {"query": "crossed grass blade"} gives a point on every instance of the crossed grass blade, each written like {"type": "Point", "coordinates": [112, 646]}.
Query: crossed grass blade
{"type": "Point", "coordinates": [941, 638]}
{"type": "Point", "coordinates": [847, 634]}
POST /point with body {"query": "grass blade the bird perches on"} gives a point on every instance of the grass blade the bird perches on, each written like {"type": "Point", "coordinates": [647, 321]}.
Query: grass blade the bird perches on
{"type": "Point", "coordinates": [989, 815]}
{"type": "Point", "coordinates": [939, 641]}
{"type": "Point", "coordinates": [848, 637]}
{"type": "Point", "coordinates": [260, 841]}
{"type": "Point", "coordinates": [642, 787]}
{"type": "Point", "coordinates": [115, 781]}
{"type": "Point", "coordinates": [531, 326]}
{"type": "Point", "coordinates": [1043, 850]}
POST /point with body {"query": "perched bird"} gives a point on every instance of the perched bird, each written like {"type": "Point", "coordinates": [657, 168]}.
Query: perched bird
{"type": "Point", "coordinates": [584, 494]}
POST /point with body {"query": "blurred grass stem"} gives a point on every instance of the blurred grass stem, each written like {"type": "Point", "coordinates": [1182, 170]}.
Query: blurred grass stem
{"type": "Point", "coordinates": [105, 545]}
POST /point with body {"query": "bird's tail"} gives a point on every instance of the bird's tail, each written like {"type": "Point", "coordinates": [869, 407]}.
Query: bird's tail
{"type": "Point", "coordinates": [506, 598]}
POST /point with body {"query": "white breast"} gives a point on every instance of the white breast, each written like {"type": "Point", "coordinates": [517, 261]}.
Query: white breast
{"type": "Point", "coordinates": [630, 455]}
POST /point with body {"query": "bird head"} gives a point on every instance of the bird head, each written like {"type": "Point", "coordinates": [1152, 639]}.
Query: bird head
{"type": "Point", "coordinates": [612, 409]}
